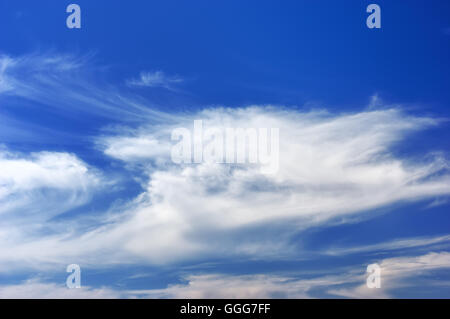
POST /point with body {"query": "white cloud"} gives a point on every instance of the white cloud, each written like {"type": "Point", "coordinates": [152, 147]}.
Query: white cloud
{"type": "Point", "coordinates": [408, 266]}
{"type": "Point", "coordinates": [331, 166]}
{"type": "Point", "coordinates": [390, 245]}
{"type": "Point", "coordinates": [34, 189]}
{"type": "Point", "coordinates": [32, 184]}
{"type": "Point", "coordinates": [65, 84]}
{"type": "Point", "coordinates": [35, 289]}
{"type": "Point", "coordinates": [155, 79]}
{"type": "Point", "coordinates": [5, 62]}
{"type": "Point", "coordinates": [134, 149]}
{"type": "Point", "coordinates": [437, 202]}
{"type": "Point", "coordinates": [219, 286]}
{"type": "Point", "coordinates": [399, 272]}
{"type": "Point", "coordinates": [395, 273]}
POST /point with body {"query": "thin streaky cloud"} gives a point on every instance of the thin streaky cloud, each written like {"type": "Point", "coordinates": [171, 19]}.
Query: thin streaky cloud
{"type": "Point", "coordinates": [64, 83]}
{"type": "Point", "coordinates": [155, 79]}
{"type": "Point", "coordinates": [400, 272]}
{"type": "Point", "coordinates": [391, 245]}
{"type": "Point", "coordinates": [37, 289]}
{"type": "Point", "coordinates": [397, 273]}
{"type": "Point", "coordinates": [348, 283]}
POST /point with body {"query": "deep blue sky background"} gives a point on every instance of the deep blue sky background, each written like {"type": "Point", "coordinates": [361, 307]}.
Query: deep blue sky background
{"type": "Point", "coordinates": [301, 54]}
{"type": "Point", "coordinates": [244, 52]}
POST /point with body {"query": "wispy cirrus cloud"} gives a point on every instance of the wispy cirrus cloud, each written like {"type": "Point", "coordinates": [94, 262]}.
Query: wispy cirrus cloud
{"type": "Point", "coordinates": [219, 286]}
{"type": "Point", "coordinates": [65, 84]}
{"type": "Point", "coordinates": [402, 272]}
{"type": "Point", "coordinates": [397, 244]}
{"type": "Point", "coordinates": [6, 63]}
{"type": "Point", "coordinates": [396, 274]}
{"type": "Point", "coordinates": [156, 79]}
{"type": "Point", "coordinates": [36, 289]}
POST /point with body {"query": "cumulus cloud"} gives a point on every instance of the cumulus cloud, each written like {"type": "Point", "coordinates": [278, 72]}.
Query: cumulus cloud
{"type": "Point", "coordinates": [34, 189]}
{"type": "Point", "coordinates": [31, 185]}
{"type": "Point", "coordinates": [331, 166]}
{"type": "Point", "coordinates": [135, 149]}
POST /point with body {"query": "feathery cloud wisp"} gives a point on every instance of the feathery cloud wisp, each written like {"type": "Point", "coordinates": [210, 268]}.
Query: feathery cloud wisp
{"type": "Point", "coordinates": [155, 79]}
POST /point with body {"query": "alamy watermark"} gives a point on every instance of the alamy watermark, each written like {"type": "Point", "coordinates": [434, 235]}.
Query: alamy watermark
{"type": "Point", "coordinates": [73, 21]}
{"type": "Point", "coordinates": [374, 279]}
{"type": "Point", "coordinates": [374, 19]}
{"type": "Point", "coordinates": [258, 146]}
{"type": "Point", "coordinates": [74, 279]}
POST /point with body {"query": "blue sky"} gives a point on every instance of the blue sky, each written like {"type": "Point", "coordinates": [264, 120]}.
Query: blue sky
{"type": "Point", "coordinates": [86, 118]}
